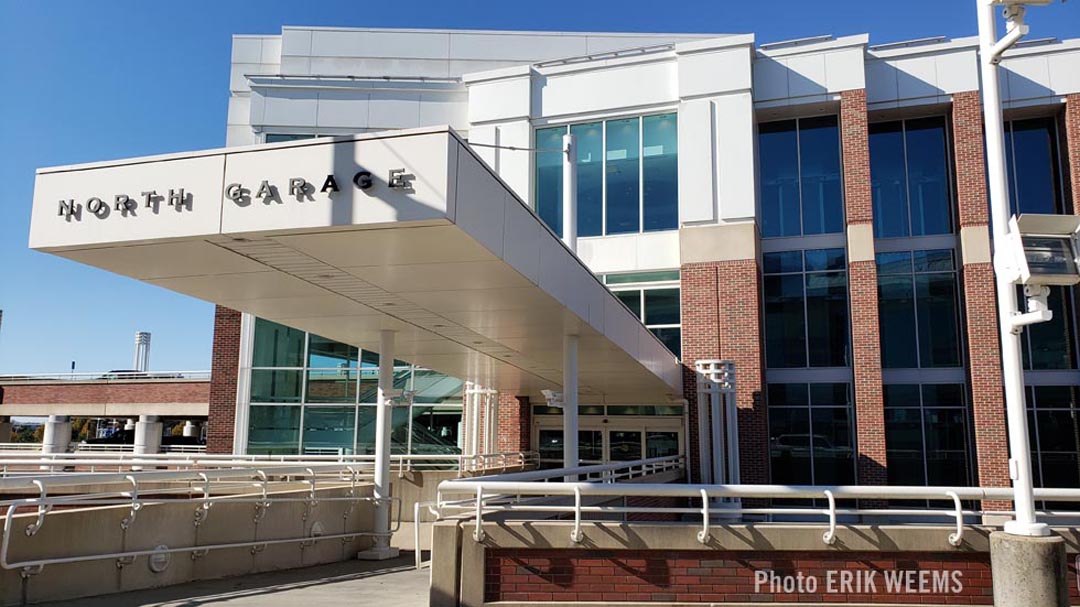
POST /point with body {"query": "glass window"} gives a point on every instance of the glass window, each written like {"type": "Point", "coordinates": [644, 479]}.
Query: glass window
{"type": "Point", "coordinates": [329, 430]}
{"type": "Point", "coordinates": [659, 310]}
{"type": "Point", "coordinates": [627, 175]}
{"type": "Point", "coordinates": [590, 178]}
{"type": "Point", "coordinates": [281, 137]}
{"type": "Point", "coordinates": [911, 178]}
{"type": "Point", "coordinates": [337, 373]}
{"type": "Point", "coordinates": [623, 179]}
{"type": "Point", "coordinates": [811, 435]}
{"type": "Point", "coordinates": [918, 309]}
{"type": "Point", "coordinates": [274, 431]}
{"type": "Point", "coordinates": [1031, 150]}
{"type": "Point", "coordinates": [661, 444]}
{"type": "Point", "coordinates": [277, 345]}
{"type": "Point", "coordinates": [625, 445]}
{"type": "Point", "coordinates": [549, 177]}
{"type": "Point", "coordinates": [1050, 345]}
{"type": "Point", "coordinates": [275, 386]}
{"type": "Point", "coordinates": [1054, 420]}
{"type": "Point", "coordinates": [660, 172]}
{"type": "Point", "coordinates": [926, 434]}
{"type": "Point", "coordinates": [806, 309]}
{"type": "Point", "coordinates": [435, 429]}
{"type": "Point", "coordinates": [801, 189]}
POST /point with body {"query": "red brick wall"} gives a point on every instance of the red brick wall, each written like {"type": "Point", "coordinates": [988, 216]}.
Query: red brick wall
{"type": "Point", "coordinates": [514, 423]}
{"type": "Point", "coordinates": [720, 576]}
{"type": "Point", "coordinates": [105, 392]}
{"type": "Point", "coordinates": [862, 285]}
{"type": "Point", "coordinates": [224, 370]}
{"type": "Point", "coordinates": [980, 301]}
{"type": "Point", "coordinates": [1072, 139]}
{"type": "Point", "coordinates": [700, 304]}
{"type": "Point", "coordinates": [721, 319]}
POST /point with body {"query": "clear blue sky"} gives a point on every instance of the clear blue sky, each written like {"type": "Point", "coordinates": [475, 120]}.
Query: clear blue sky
{"type": "Point", "coordinates": [86, 81]}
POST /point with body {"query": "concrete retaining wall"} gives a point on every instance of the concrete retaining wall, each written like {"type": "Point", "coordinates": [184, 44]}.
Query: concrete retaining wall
{"type": "Point", "coordinates": [98, 530]}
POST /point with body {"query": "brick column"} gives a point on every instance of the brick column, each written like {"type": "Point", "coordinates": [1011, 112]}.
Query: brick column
{"type": "Point", "coordinates": [514, 423]}
{"type": "Point", "coordinates": [700, 304]}
{"type": "Point", "coordinates": [862, 286]}
{"type": "Point", "coordinates": [980, 301]}
{"type": "Point", "coordinates": [739, 286]}
{"type": "Point", "coordinates": [1072, 139]}
{"type": "Point", "coordinates": [721, 319]}
{"type": "Point", "coordinates": [224, 370]}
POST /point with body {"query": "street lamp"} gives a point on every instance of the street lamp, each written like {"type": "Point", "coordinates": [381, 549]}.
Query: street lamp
{"type": "Point", "coordinates": [1012, 262]}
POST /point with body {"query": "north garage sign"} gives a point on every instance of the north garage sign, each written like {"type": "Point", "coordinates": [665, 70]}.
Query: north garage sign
{"type": "Point", "coordinates": [267, 192]}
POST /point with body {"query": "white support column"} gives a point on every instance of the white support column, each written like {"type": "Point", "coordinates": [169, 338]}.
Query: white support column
{"type": "Point", "coordinates": [190, 429]}
{"type": "Point", "coordinates": [57, 434]}
{"type": "Point", "coordinates": [147, 435]}
{"type": "Point", "coordinates": [569, 192]}
{"type": "Point", "coordinates": [381, 549]}
{"type": "Point", "coordinates": [570, 403]}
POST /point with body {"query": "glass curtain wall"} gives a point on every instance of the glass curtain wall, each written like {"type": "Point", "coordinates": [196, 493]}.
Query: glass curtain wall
{"type": "Point", "coordinates": [805, 300]}
{"type": "Point", "coordinates": [627, 171]}
{"type": "Point", "coordinates": [314, 395]}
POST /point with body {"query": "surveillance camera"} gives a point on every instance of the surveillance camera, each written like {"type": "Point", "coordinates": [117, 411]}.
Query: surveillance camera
{"type": "Point", "coordinates": [1045, 249]}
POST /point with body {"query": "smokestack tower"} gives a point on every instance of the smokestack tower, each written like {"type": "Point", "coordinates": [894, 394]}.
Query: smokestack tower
{"type": "Point", "coordinates": [141, 361]}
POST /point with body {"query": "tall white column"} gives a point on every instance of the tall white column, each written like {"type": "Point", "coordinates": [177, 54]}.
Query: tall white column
{"type": "Point", "coordinates": [570, 403]}
{"type": "Point", "coordinates": [381, 549]}
{"type": "Point", "coordinates": [147, 435]}
{"type": "Point", "coordinates": [57, 434]}
{"type": "Point", "coordinates": [1016, 414]}
{"type": "Point", "coordinates": [569, 192]}
{"type": "Point", "coordinates": [190, 429]}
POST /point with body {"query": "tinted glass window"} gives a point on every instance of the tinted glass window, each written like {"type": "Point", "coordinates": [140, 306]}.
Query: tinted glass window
{"type": "Point", "coordinates": [274, 431]}
{"type": "Point", "coordinates": [329, 430]}
{"type": "Point", "coordinates": [660, 172]}
{"type": "Point", "coordinates": [590, 177]}
{"type": "Point", "coordinates": [819, 166]}
{"type": "Point", "coordinates": [918, 309]}
{"type": "Point", "coordinates": [806, 312]}
{"type": "Point", "coordinates": [778, 145]}
{"type": "Point", "coordinates": [1034, 173]}
{"type": "Point", "coordinates": [623, 180]}
{"type": "Point", "coordinates": [911, 178]}
{"type": "Point", "coordinates": [801, 190]}
{"type": "Point", "coordinates": [549, 177]}
{"type": "Point", "coordinates": [811, 434]}
{"type": "Point", "coordinates": [1050, 345]}
{"type": "Point", "coordinates": [277, 345]}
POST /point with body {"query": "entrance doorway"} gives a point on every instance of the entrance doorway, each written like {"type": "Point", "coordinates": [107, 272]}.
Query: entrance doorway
{"type": "Point", "coordinates": [607, 435]}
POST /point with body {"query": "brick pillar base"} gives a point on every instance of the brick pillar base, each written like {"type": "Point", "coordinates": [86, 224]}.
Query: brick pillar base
{"type": "Point", "coordinates": [224, 370]}
{"type": "Point", "coordinates": [514, 423]}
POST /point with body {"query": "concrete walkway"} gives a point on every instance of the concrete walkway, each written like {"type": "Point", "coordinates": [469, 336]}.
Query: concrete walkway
{"type": "Point", "coordinates": [391, 583]}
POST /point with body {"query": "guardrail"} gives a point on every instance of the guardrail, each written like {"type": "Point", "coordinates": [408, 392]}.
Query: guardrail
{"type": "Point", "coordinates": [103, 376]}
{"type": "Point", "coordinates": [254, 485]}
{"type": "Point", "coordinates": [505, 494]}
{"type": "Point", "coordinates": [14, 462]}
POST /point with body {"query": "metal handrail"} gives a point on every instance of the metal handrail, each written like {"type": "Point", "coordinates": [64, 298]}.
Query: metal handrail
{"type": "Point", "coordinates": [480, 496]}
{"type": "Point", "coordinates": [242, 482]}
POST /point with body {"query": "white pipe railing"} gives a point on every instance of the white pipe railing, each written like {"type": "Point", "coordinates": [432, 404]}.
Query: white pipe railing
{"type": "Point", "coordinates": [236, 485]}
{"type": "Point", "coordinates": [504, 493]}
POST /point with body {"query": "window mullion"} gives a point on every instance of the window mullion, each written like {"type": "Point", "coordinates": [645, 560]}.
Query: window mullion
{"type": "Point", "coordinates": [641, 174]}
{"type": "Point", "coordinates": [603, 180]}
{"type": "Point", "coordinates": [798, 174]}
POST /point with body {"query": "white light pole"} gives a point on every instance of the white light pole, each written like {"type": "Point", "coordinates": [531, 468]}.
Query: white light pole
{"type": "Point", "coordinates": [990, 51]}
{"type": "Point", "coordinates": [569, 192]}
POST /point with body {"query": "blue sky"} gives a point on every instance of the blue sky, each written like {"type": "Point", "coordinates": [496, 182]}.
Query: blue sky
{"type": "Point", "coordinates": [89, 81]}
